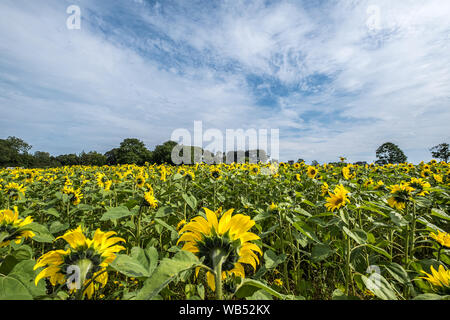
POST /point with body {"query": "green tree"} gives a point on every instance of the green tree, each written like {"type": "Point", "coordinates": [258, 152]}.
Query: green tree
{"type": "Point", "coordinates": [92, 158]}
{"type": "Point", "coordinates": [68, 159]}
{"type": "Point", "coordinates": [44, 160]}
{"type": "Point", "coordinates": [133, 151]}
{"type": "Point", "coordinates": [441, 151]}
{"type": "Point", "coordinates": [112, 156]}
{"type": "Point", "coordinates": [163, 153]}
{"type": "Point", "coordinates": [14, 153]}
{"type": "Point", "coordinates": [390, 153]}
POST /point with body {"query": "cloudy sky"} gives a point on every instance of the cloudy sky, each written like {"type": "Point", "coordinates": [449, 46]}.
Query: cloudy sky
{"type": "Point", "coordinates": [337, 78]}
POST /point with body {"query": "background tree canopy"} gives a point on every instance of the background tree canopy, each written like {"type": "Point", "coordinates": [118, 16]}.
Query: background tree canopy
{"type": "Point", "coordinates": [390, 153]}
{"type": "Point", "coordinates": [441, 152]}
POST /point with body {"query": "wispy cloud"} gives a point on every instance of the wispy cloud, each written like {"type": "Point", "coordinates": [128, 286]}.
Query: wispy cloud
{"type": "Point", "coordinates": [331, 82]}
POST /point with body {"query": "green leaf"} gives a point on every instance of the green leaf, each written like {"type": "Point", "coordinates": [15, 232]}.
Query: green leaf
{"type": "Point", "coordinates": [246, 284]}
{"type": "Point", "coordinates": [169, 227]}
{"type": "Point", "coordinates": [116, 213]}
{"type": "Point", "coordinates": [24, 252]}
{"type": "Point", "coordinates": [41, 232]}
{"type": "Point", "coordinates": [8, 264]}
{"type": "Point", "coordinates": [306, 230]}
{"type": "Point", "coordinates": [24, 272]}
{"type": "Point", "coordinates": [129, 266]}
{"type": "Point", "coordinates": [431, 296]}
{"type": "Point", "coordinates": [163, 211]}
{"type": "Point", "coordinates": [3, 235]}
{"type": "Point", "coordinates": [272, 260]}
{"type": "Point", "coordinates": [320, 252]}
{"type": "Point", "coordinates": [190, 200]}
{"type": "Point", "coordinates": [397, 272]}
{"type": "Point", "coordinates": [379, 250]}
{"type": "Point", "coordinates": [148, 258]}
{"type": "Point", "coordinates": [360, 236]}
{"type": "Point", "coordinates": [398, 219]}
{"type": "Point", "coordinates": [440, 214]}
{"type": "Point", "coordinates": [57, 226]}
{"type": "Point", "coordinates": [52, 212]}
{"type": "Point", "coordinates": [379, 286]}
{"type": "Point", "coordinates": [13, 289]}
{"type": "Point", "coordinates": [167, 271]}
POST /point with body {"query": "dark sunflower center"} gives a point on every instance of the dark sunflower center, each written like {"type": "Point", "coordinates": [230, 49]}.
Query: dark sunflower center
{"type": "Point", "coordinates": [215, 174]}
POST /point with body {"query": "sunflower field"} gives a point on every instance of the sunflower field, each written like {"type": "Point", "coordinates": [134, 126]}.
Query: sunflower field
{"type": "Point", "coordinates": [226, 231]}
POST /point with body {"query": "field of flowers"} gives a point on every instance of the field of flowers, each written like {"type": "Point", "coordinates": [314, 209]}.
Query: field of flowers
{"type": "Point", "coordinates": [226, 231]}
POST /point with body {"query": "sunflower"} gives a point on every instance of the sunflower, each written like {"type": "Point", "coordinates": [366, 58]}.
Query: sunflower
{"type": "Point", "coordinates": [190, 175]}
{"type": "Point", "coordinates": [103, 181]}
{"type": "Point", "coordinates": [437, 178]}
{"type": "Point", "coordinates": [254, 169]}
{"type": "Point", "coordinates": [75, 196]}
{"type": "Point", "coordinates": [338, 199]}
{"type": "Point", "coordinates": [150, 199]}
{"type": "Point", "coordinates": [278, 282]}
{"type": "Point", "coordinates": [311, 172]}
{"type": "Point", "coordinates": [216, 174]}
{"type": "Point", "coordinates": [324, 188]}
{"type": "Point", "coordinates": [163, 173]}
{"type": "Point", "coordinates": [439, 278]}
{"type": "Point", "coordinates": [225, 245]}
{"type": "Point", "coordinates": [13, 228]}
{"type": "Point", "coordinates": [14, 190]}
{"type": "Point", "coordinates": [297, 165]}
{"type": "Point", "coordinates": [273, 207]}
{"type": "Point", "coordinates": [89, 257]}
{"type": "Point", "coordinates": [442, 238]}
{"type": "Point", "coordinates": [348, 173]}
{"type": "Point", "coordinates": [140, 181]}
{"type": "Point", "coordinates": [420, 186]}
{"type": "Point", "coordinates": [369, 182]}
{"type": "Point", "coordinates": [379, 185]}
{"type": "Point", "coordinates": [400, 196]}
{"type": "Point", "coordinates": [426, 173]}
{"type": "Point", "coordinates": [181, 224]}
{"type": "Point", "coordinates": [298, 177]}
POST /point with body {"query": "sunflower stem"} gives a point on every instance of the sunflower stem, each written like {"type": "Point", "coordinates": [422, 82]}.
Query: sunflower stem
{"type": "Point", "coordinates": [217, 259]}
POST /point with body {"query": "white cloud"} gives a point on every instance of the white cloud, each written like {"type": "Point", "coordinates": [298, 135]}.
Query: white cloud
{"type": "Point", "coordinates": [389, 84]}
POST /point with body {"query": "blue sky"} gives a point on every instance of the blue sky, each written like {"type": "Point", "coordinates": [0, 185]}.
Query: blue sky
{"type": "Point", "coordinates": [337, 78]}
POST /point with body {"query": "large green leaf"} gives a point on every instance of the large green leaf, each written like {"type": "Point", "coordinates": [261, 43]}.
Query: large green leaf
{"type": "Point", "coordinates": [397, 272]}
{"type": "Point", "coordinates": [116, 213]}
{"type": "Point", "coordinates": [360, 236]}
{"type": "Point", "coordinates": [440, 214]}
{"type": "Point", "coordinates": [306, 230]}
{"type": "Point", "coordinates": [379, 286]}
{"type": "Point", "coordinates": [379, 250]}
{"type": "Point", "coordinates": [129, 266]}
{"type": "Point", "coordinates": [272, 259]}
{"type": "Point", "coordinates": [41, 232]}
{"type": "Point", "coordinates": [148, 258]}
{"type": "Point", "coordinates": [13, 289]}
{"type": "Point", "coordinates": [190, 200]}
{"type": "Point", "coordinates": [249, 286]}
{"type": "Point", "coordinates": [167, 271]}
{"type": "Point", "coordinates": [320, 252]}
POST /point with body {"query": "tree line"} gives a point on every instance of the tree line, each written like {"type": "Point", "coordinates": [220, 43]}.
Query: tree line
{"type": "Point", "coordinates": [15, 152]}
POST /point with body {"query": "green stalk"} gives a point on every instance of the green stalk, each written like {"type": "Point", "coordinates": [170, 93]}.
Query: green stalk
{"type": "Point", "coordinates": [217, 259]}
{"type": "Point", "coordinates": [413, 232]}
{"type": "Point", "coordinates": [347, 267]}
